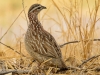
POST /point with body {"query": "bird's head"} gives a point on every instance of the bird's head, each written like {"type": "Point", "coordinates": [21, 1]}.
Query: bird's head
{"type": "Point", "coordinates": [36, 8]}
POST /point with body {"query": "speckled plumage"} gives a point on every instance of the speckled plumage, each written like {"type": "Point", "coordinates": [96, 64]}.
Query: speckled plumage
{"type": "Point", "coordinates": [40, 44]}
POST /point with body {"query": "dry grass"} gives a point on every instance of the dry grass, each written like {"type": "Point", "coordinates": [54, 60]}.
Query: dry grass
{"type": "Point", "coordinates": [70, 22]}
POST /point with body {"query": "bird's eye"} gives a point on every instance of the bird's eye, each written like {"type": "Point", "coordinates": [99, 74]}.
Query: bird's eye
{"type": "Point", "coordinates": [39, 7]}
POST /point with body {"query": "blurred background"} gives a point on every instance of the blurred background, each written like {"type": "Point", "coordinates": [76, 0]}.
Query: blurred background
{"type": "Point", "coordinates": [66, 20]}
{"type": "Point", "coordinates": [10, 9]}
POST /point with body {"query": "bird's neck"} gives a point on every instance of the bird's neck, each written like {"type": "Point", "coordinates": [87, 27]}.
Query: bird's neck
{"type": "Point", "coordinates": [33, 18]}
{"type": "Point", "coordinates": [34, 22]}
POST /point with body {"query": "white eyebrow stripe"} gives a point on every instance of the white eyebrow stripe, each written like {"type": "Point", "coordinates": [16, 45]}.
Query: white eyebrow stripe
{"type": "Point", "coordinates": [35, 8]}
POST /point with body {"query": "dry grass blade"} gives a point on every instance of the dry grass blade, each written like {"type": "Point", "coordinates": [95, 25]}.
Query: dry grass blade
{"type": "Point", "coordinates": [12, 24]}
{"type": "Point", "coordinates": [64, 17]}
{"type": "Point", "coordinates": [24, 11]}
{"type": "Point", "coordinates": [45, 13]}
{"type": "Point", "coordinates": [48, 72]}
{"type": "Point", "coordinates": [89, 60]}
{"type": "Point", "coordinates": [12, 49]}
{"type": "Point", "coordinates": [54, 20]}
{"type": "Point", "coordinates": [45, 61]}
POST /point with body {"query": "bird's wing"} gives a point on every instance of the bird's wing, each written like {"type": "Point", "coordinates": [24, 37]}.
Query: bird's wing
{"type": "Point", "coordinates": [46, 45]}
{"type": "Point", "coordinates": [50, 46]}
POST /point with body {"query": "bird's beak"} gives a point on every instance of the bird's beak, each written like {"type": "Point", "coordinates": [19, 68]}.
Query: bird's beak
{"type": "Point", "coordinates": [43, 7]}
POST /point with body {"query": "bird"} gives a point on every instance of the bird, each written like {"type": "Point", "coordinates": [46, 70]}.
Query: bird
{"type": "Point", "coordinates": [39, 43]}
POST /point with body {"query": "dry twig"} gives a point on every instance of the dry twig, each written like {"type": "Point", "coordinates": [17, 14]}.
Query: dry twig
{"type": "Point", "coordinates": [60, 45]}
{"type": "Point", "coordinates": [78, 42]}
{"type": "Point", "coordinates": [88, 60]}
{"type": "Point", "coordinates": [14, 71]}
{"type": "Point", "coordinates": [12, 49]}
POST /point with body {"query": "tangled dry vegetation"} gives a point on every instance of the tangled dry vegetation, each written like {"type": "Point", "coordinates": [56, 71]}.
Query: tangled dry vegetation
{"type": "Point", "coordinates": [81, 50]}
